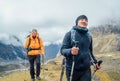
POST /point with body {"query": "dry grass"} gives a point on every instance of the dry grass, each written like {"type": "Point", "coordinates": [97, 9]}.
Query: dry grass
{"type": "Point", "coordinates": [18, 76]}
{"type": "Point", "coordinates": [52, 74]}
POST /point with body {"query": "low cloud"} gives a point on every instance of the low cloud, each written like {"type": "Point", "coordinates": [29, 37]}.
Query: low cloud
{"type": "Point", "coordinates": [53, 18]}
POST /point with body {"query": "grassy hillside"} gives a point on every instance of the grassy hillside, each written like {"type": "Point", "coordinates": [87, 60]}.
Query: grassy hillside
{"type": "Point", "coordinates": [106, 47]}
{"type": "Point", "coordinates": [105, 43]}
{"type": "Point", "coordinates": [52, 73]}
{"type": "Point", "coordinates": [111, 64]}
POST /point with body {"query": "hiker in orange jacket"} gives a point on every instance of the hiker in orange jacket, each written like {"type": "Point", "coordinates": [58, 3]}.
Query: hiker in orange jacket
{"type": "Point", "coordinates": [35, 48]}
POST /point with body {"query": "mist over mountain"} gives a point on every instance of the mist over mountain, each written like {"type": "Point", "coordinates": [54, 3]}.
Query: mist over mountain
{"type": "Point", "coordinates": [11, 49]}
{"type": "Point", "coordinates": [108, 27]}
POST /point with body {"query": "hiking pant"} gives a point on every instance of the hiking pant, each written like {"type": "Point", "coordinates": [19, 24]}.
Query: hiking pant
{"type": "Point", "coordinates": [32, 60]}
{"type": "Point", "coordinates": [79, 75]}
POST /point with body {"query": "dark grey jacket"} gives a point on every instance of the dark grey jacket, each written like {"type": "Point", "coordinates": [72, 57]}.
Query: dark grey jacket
{"type": "Point", "coordinates": [82, 59]}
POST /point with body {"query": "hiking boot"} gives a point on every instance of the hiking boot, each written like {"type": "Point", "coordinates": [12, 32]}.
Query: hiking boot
{"type": "Point", "coordinates": [38, 78]}
{"type": "Point", "coordinates": [32, 79]}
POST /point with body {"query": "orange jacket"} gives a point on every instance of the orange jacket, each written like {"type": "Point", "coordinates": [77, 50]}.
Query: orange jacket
{"type": "Point", "coordinates": [34, 44]}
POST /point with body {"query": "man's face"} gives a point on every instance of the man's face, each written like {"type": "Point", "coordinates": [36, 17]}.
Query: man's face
{"type": "Point", "coordinates": [34, 33]}
{"type": "Point", "coordinates": [82, 23]}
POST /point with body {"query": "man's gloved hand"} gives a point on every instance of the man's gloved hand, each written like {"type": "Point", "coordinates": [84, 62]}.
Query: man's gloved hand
{"type": "Point", "coordinates": [28, 49]}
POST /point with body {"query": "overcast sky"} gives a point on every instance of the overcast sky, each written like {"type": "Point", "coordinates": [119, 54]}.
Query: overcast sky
{"type": "Point", "coordinates": [52, 18]}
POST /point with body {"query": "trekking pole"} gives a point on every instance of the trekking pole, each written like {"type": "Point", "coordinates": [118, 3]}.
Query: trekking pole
{"type": "Point", "coordinates": [25, 71]}
{"type": "Point", "coordinates": [94, 65]}
{"type": "Point", "coordinates": [73, 63]}
{"type": "Point", "coordinates": [43, 65]}
{"type": "Point", "coordinates": [63, 67]}
{"type": "Point", "coordinates": [72, 68]}
{"type": "Point", "coordinates": [25, 63]}
{"type": "Point", "coordinates": [95, 69]}
{"type": "Point", "coordinates": [25, 68]}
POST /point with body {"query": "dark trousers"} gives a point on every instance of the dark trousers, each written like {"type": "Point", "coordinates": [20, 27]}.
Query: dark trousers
{"type": "Point", "coordinates": [79, 75]}
{"type": "Point", "coordinates": [32, 60]}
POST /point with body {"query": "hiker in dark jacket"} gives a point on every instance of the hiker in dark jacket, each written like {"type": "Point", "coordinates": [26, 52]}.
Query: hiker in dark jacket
{"type": "Point", "coordinates": [81, 53]}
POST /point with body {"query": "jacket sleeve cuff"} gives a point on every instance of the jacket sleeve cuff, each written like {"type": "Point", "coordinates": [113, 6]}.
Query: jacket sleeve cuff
{"type": "Point", "coordinates": [67, 52]}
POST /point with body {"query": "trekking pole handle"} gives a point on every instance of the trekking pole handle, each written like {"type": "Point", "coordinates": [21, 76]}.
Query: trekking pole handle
{"type": "Point", "coordinates": [76, 43]}
{"type": "Point", "coordinates": [99, 62]}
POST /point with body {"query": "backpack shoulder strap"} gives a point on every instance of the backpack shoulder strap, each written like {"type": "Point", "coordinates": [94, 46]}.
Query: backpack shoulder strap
{"type": "Point", "coordinates": [39, 39]}
{"type": "Point", "coordinates": [72, 35]}
{"type": "Point", "coordinates": [29, 42]}
{"type": "Point", "coordinates": [39, 42]}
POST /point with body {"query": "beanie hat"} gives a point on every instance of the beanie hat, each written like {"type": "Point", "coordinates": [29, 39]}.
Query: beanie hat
{"type": "Point", "coordinates": [81, 17]}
